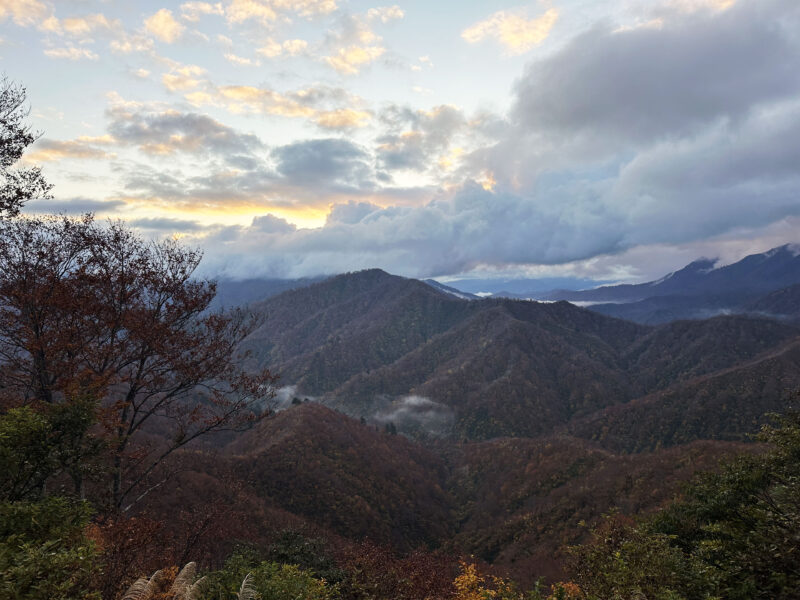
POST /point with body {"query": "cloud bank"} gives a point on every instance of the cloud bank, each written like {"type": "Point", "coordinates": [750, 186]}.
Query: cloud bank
{"type": "Point", "coordinates": [677, 131]}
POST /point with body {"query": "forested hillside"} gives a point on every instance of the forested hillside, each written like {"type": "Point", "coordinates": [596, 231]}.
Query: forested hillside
{"type": "Point", "coordinates": [361, 341]}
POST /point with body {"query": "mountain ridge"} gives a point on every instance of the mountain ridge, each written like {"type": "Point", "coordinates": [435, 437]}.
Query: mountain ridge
{"type": "Point", "coordinates": [361, 342]}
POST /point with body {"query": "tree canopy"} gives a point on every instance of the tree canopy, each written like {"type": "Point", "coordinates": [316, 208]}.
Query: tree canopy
{"type": "Point", "coordinates": [20, 184]}
{"type": "Point", "coordinates": [90, 309]}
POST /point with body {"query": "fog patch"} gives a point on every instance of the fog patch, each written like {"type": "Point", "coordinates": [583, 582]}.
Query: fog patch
{"type": "Point", "coordinates": [286, 397]}
{"type": "Point", "coordinates": [416, 415]}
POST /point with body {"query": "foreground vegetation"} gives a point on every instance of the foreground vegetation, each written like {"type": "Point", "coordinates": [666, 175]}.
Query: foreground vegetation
{"type": "Point", "coordinates": [733, 534]}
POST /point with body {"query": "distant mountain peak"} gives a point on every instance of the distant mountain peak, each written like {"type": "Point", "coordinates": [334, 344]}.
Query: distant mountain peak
{"type": "Point", "coordinates": [740, 281]}
{"type": "Point", "coordinates": [792, 249]}
{"type": "Point", "coordinates": [701, 266]}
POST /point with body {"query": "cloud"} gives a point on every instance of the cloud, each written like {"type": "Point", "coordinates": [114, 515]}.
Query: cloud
{"type": "Point", "coordinates": [242, 98]}
{"type": "Point", "coordinates": [514, 31]}
{"type": "Point", "coordinates": [452, 233]}
{"type": "Point", "coordinates": [418, 140]}
{"type": "Point", "coordinates": [267, 11]}
{"type": "Point", "coordinates": [350, 59]}
{"type": "Point", "coordinates": [414, 414]}
{"type": "Point", "coordinates": [352, 45]}
{"type": "Point", "coordinates": [25, 13]}
{"type": "Point", "coordinates": [241, 60]}
{"type": "Point", "coordinates": [331, 160]}
{"type": "Point", "coordinates": [385, 13]}
{"type": "Point", "coordinates": [162, 224]}
{"type": "Point", "coordinates": [74, 206]}
{"type": "Point", "coordinates": [273, 49]}
{"type": "Point", "coordinates": [82, 26]}
{"type": "Point", "coordinates": [351, 212]}
{"type": "Point", "coordinates": [613, 87]}
{"type": "Point", "coordinates": [691, 6]}
{"type": "Point", "coordinates": [164, 26]}
{"type": "Point", "coordinates": [83, 147]}
{"type": "Point", "coordinates": [71, 53]}
{"type": "Point", "coordinates": [342, 118]}
{"type": "Point", "coordinates": [271, 224]}
{"type": "Point", "coordinates": [168, 132]}
{"type": "Point", "coordinates": [128, 43]}
{"type": "Point", "coordinates": [328, 108]}
{"type": "Point", "coordinates": [192, 11]}
{"type": "Point", "coordinates": [183, 77]}
{"type": "Point", "coordinates": [424, 61]}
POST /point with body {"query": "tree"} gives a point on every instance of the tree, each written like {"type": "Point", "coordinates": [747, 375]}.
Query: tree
{"type": "Point", "coordinates": [627, 562]}
{"type": "Point", "coordinates": [35, 446]}
{"type": "Point", "coordinates": [19, 185]}
{"type": "Point", "coordinates": [44, 551]}
{"type": "Point", "coordinates": [93, 310]}
{"type": "Point", "coordinates": [735, 534]}
{"type": "Point", "coordinates": [266, 579]}
{"type": "Point", "coordinates": [744, 522]}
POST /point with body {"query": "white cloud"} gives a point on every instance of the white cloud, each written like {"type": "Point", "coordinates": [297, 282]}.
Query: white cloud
{"type": "Point", "coordinates": [272, 49]}
{"type": "Point", "coordinates": [25, 13]}
{"type": "Point", "coordinates": [192, 11]}
{"type": "Point", "coordinates": [127, 43]}
{"type": "Point", "coordinates": [81, 26]}
{"type": "Point", "coordinates": [516, 32]}
{"type": "Point", "coordinates": [386, 13]}
{"type": "Point", "coordinates": [352, 45]}
{"type": "Point", "coordinates": [241, 60]}
{"type": "Point", "coordinates": [350, 59]}
{"type": "Point", "coordinates": [71, 53]}
{"type": "Point", "coordinates": [267, 11]}
{"type": "Point", "coordinates": [164, 26]}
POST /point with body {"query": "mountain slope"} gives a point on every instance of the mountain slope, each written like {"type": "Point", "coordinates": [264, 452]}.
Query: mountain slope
{"type": "Point", "coordinates": [726, 405]}
{"type": "Point", "coordinates": [521, 500]}
{"type": "Point", "coordinates": [347, 477]}
{"type": "Point", "coordinates": [755, 274]}
{"type": "Point", "coordinates": [782, 304]}
{"type": "Point", "coordinates": [320, 336]}
{"type": "Point", "coordinates": [375, 345]}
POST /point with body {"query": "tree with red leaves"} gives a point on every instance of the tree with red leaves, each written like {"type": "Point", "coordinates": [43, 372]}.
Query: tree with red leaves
{"type": "Point", "coordinates": [94, 310]}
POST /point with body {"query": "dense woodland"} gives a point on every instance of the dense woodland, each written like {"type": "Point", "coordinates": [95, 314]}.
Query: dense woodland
{"type": "Point", "coordinates": [575, 455]}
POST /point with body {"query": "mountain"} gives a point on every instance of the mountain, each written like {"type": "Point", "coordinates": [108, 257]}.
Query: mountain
{"type": "Point", "coordinates": [521, 288]}
{"type": "Point", "coordinates": [234, 292]}
{"type": "Point", "coordinates": [781, 304]}
{"type": "Point", "coordinates": [523, 421]}
{"type": "Point", "coordinates": [351, 478]}
{"type": "Point", "coordinates": [665, 309]}
{"type": "Point", "coordinates": [727, 404]}
{"type": "Point", "coordinates": [513, 502]}
{"type": "Point", "coordinates": [395, 350]}
{"type": "Point", "coordinates": [520, 501]}
{"type": "Point", "coordinates": [754, 275]}
{"type": "Point", "coordinates": [450, 290]}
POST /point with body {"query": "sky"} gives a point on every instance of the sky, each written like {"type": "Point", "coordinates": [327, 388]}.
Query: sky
{"type": "Point", "coordinates": [612, 140]}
